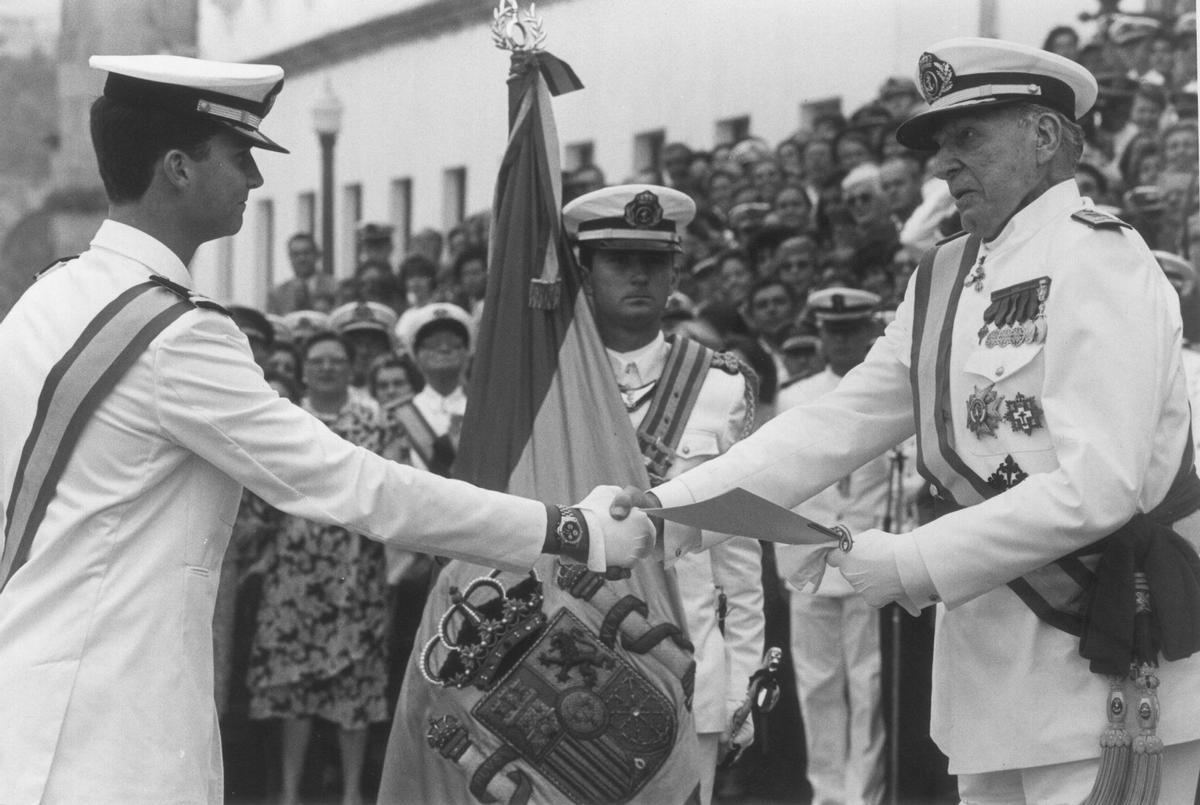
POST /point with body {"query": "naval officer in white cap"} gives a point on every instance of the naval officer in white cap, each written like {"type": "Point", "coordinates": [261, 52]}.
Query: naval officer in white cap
{"type": "Point", "coordinates": [132, 416]}
{"type": "Point", "coordinates": [1036, 357]}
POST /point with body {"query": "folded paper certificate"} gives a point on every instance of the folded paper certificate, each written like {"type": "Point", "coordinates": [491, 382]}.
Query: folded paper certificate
{"type": "Point", "coordinates": [746, 514]}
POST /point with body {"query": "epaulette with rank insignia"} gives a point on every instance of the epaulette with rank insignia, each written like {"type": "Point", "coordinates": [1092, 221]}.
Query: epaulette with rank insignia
{"type": "Point", "coordinates": [1099, 220]}
{"type": "Point", "coordinates": [187, 294]}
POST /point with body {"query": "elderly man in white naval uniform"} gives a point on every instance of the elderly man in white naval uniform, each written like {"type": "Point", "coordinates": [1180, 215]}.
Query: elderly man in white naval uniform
{"type": "Point", "coordinates": [116, 522]}
{"type": "Point", "coordinates": [1037, 359]}
{"type": "Point", "coordinates": [628, 238]}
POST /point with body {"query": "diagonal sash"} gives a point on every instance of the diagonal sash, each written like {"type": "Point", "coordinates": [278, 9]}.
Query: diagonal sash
{"type": "Point", "coordinates": [674, 397]}
{"type": "Point", "coordinates": [72, 392]}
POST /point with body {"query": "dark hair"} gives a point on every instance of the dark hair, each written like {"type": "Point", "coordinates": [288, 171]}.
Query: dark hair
{"type": "Point", "coordinates": [306, 236]}
{"type": "Point", "coordinates": [252, 319]}
{"type": "Point", "coordinates": [326, 335]}
{"type": "Point", "coordinates": [417, 265]}
{"type": "Point", "coordinates": [1054, 33]}
{"type": "Point", "coordinates": [290, 383]}
{"type": "Point", "coordinates": [770, 282]}
{"type": "Point", "coordinates": [760, 361]}
{"type": "Point", "coordinates": [1097, 176]}
{"type": "Point", "coordinates": [391, 360]}
{"type": "Point", "coordinates": [128, 140]}
{"type": "Point", "coordinates": [467, 255]}
{"type": "Point", "coordinates": [367, 265]}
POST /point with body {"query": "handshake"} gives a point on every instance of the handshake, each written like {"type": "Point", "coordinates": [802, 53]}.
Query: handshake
{"type": "Point", "coordinates": [604, 530]}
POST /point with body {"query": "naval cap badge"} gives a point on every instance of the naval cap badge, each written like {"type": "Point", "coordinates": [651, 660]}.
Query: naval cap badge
{"type": "Point", "coordinates": [644, 211]}
{"type": "Point", "coordinates": [937, 77]}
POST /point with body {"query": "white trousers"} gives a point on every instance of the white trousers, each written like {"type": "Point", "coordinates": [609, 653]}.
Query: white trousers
{"type": "Point", "coordinates": [1069, 783]}
{"type": "Point", "coordinates": [835, 656]}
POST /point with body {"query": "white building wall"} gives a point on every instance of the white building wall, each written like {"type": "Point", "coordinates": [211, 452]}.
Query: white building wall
{"type": "Point", "coordinates": [419, 107]}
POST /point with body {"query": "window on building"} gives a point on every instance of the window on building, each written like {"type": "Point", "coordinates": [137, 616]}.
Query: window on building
{"type": "Point", "coordinates": [347, 248]}
{"type": "Point", "coordinates": [812, 112]}
{"type": "Point", "coordinates": [578, 155]}
{"type": "Point", "coordinates": [306, 213]}
{"type": "Point", "coordinates": [647, 150]}
{"type": "Point", "coordinates": [264, 249]}
{"type": "Point", "coordinates": [401, 213]}
{"type": "Point", "coordinates": [731, 130]}
{"type": "Point", "coordinates": [454, 197]}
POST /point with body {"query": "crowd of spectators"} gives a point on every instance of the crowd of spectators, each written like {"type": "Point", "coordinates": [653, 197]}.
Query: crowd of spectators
{"type": "Point", "coordinates": [837, 203]}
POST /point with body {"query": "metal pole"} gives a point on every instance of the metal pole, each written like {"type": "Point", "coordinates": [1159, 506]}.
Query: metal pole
{"type": "Point", "coordinates": [894, 520]}
{"type": "Point", "coordinates": [327, 143]}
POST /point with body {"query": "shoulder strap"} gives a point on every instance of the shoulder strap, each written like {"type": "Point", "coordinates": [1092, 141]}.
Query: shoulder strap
{"type": "Point", "coordinates": [73, 390]}
{"type": "Point", "coordinates": [674, 397]}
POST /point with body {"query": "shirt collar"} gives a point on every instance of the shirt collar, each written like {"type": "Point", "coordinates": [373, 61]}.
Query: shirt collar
{"type": "Point", "coordinates": [430, 396]}
{"type": "Point", "coordinates": [135, 244]}
{"type": "Point", "coordinates": [639, 366]}
{"type": "Point", "coordinates": [1060, 199]}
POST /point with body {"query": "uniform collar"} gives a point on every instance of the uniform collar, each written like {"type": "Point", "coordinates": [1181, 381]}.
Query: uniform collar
{"type": "Point", "coordinates": [1062, 198]}
{"type": "Point", "coordinates": [135, 244]}
{"type": "Point", "coordinates": [638, 367]}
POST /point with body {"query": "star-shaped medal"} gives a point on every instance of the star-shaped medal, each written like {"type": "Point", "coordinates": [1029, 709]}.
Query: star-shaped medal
{"type": "Point", "coordinates": [1007, 475]}
{"type": "Point", "coordinates": [983, 411]}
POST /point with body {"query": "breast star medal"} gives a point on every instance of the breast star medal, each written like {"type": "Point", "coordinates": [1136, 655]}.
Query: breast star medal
{"type": "Point", "coordinates": [1023, 414]}
{"type": "Point", "coordinates": [983, 411]}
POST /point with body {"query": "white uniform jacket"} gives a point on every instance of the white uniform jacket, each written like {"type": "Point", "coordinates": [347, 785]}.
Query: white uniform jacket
{"type": "Point", "coordinates": [1009, 691]}
{"type": "Point", "coordinates": [734, 567]}
{"type": "Point", "coordinates": [858, 500]}
{"type": "Point", "coordinates": [106, 667]}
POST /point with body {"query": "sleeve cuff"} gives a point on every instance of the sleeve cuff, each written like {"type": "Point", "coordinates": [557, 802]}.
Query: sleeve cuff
{"type": "Point", "coordinates": [914, 575]}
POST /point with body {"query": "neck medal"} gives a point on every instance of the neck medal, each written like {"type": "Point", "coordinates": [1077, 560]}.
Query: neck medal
{"type": "Point", "coordinates": [1016, 315]}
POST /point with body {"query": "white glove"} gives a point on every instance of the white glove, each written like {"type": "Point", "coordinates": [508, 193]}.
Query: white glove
{"type": "Point", "coordinates": [743, 736]}
{"type": "Point", "coordinates": [614, 543]}
{"type": "Point", "coordinates": [870, 567]}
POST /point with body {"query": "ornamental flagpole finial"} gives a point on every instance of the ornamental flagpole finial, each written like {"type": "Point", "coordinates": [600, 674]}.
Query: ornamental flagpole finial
{"type": "Point", "coordinates": [512, 29]}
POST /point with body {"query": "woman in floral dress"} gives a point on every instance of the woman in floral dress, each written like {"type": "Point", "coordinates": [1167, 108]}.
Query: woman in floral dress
{"type": "Point", "coordinates": [320, 646]}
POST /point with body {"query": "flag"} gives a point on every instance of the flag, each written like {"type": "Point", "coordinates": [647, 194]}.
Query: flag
{"type": "Point", "coordinates": [545, 420]}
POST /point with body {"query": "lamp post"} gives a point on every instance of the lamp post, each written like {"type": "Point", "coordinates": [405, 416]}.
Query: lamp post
{"type": "Point", "coordinates": [327, 122]}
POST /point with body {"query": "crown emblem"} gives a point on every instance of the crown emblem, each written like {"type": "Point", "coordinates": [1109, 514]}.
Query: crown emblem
{"type": "Point", "coordinates": [644, 211]}
{"type": "Point", "coordinates": [937, 77]}
{"type": "Point", "coordinates": [483, 631]}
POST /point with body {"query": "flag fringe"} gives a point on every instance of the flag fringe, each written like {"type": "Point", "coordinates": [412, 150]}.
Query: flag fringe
{"type": "Point", "coordinates": [545, 294]}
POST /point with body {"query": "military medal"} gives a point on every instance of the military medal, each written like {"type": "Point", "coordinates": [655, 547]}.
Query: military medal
{"type": "Point", "coordinates": [1007, 475]}
{"type": "Point", "coordinates": [975, 276]}
{"type": "Point", "coordinates": [1023, 414]}
{"type": "Point", "coordinates": [983, 411]}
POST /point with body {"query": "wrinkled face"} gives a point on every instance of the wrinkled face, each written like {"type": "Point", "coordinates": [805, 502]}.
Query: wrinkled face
{"type": "Point", "coordinates": [988, 160]}
{"type": "Point", "coordinates": [222, 182]}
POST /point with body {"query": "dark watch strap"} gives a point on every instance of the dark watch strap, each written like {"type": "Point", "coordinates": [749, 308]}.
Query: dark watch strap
{"type": "Point", "coordinates": [566, 533]}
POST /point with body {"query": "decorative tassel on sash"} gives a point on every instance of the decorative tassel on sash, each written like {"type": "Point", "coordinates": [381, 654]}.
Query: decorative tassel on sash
{"type": "Point", "coordinates": [1145, 773]}
{"type": "Point", "coordinates": [1114, 749]}
{"type": "Point", "coordinates": [545, 294]}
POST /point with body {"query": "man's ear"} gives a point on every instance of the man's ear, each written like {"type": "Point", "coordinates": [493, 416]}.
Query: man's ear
{"type": "Point", "coordinates": [176, 167]}
{"type": "Point", "coordinates": [1048, 137]}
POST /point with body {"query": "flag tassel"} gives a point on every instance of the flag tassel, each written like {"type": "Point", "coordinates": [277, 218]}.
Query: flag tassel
{"type": "Point", "coordinates": [1145, 774]}
{"type": "Point", "coordinates": [1115, 742]}
{"type": "Point", "coordinates": [545, 294]}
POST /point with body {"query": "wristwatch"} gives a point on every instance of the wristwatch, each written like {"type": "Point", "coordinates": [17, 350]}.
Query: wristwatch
{"type": "Point", "coordinates": [570, 530]}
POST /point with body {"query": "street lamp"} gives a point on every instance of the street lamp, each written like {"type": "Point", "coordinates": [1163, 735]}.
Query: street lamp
{"type": "Point", "coordinates": [327, 122]}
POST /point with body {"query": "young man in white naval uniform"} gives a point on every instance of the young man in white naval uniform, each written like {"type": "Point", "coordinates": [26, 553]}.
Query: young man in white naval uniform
{"type": "Point", "coordinates": [113, 548]}
{"type": "Point", "coordinates": [834, 632]}
{"type": "Point", "coordinates": [628, 238]}
{"type": "Point", "coordinates": [1038, 361]}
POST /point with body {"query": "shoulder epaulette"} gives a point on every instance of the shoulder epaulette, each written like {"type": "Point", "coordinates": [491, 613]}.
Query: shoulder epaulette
{"type": "Point", "coordinates": [187, 294]}
{"type": "Point", "coordinates": [727, 362]}
{"type": "Point", "coordinates": [57, 262]}
{"type": "Point", "coordinates": [1099, 220]}
{"type": "Point", "coordinates": [949, 238]}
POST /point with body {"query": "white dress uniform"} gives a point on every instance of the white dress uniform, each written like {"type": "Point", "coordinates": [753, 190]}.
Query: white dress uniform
{"type": "Point", "coordinates": [724, 663]}
{"type": "Point", "coordinates": [106, 667]}
{"type": "Point", "coordinates": [835, 635]}
{"type": "Point", "coordinates": [1011, 692]}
